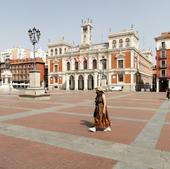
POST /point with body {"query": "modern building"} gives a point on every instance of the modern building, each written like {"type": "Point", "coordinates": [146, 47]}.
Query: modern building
{"type": "Point", "coordinates": [15, 53]}
{"type": "Point", "coordinates": [117, 62]}
{"type": "Point", "coordinates": [163, 61]}
{"type": "Point", "coordinates": [22, 53]}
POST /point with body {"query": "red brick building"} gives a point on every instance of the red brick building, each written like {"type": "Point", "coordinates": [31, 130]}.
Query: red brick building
{"type": "Point", "coordinates": [20, 70]}
{"type": "Point", "coordinates": [163, 61]}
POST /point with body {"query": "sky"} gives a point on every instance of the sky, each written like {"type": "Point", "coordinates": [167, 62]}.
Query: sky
{"type": "Point", "coordinates": [62, 18]}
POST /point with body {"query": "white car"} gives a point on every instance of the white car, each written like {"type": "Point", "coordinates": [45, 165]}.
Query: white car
{"type": "Point", "coordinates": [116, 88]}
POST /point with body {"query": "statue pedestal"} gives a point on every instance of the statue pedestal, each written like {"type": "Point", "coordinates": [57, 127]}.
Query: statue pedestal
{"type": "Point", "coordinates": [6, 85]}
{"type": "Point", "coordinates": [35, 91]}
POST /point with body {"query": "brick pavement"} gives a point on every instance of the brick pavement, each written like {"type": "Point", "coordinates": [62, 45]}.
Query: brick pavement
{"type": "Point", "coordinates": [51, 134]}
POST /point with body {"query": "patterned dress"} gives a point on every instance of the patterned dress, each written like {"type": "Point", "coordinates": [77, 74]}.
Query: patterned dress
{"type": "Point", "coordinates": [101, 120]}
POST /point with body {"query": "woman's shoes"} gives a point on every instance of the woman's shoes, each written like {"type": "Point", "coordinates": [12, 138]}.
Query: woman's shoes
{"type": "Point", "coordinates": [108, 129]}
{"type": "Point", "coordinates": [92, 129]}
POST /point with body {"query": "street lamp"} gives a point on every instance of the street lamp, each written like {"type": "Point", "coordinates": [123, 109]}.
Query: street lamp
{"type": "Point", "coordinates": [103, 61]}
{"type": "Point", "coordinates": [34, 35]}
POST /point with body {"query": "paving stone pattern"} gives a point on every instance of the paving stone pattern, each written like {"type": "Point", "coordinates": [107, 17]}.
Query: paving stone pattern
{"type": "Point", "coordinates": [49, 134]}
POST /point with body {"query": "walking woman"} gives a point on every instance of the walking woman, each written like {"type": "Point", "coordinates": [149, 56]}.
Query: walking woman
{"type": "Point", "coordinates": [168, 93]}
{"type": "Point", "coordinates": [101, 119]}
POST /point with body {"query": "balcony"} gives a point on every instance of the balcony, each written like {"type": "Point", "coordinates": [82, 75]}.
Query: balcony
{"type": "Point", "coordinates": [162, 66]}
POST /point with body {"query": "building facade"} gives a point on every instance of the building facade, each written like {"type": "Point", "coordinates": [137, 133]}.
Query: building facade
{"type": "Point", "coordinates": [22, 53]}
{"type": "Point", "coordinates": [20, 69]}
{"type": "Point", "coordinates": [163, 61]}
{"type": "Point", "coordinates": [115, 62]}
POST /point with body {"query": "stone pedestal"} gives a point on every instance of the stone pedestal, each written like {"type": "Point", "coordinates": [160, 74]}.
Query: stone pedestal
{"type": "Point", "coordinates": [6, 85]}
{"type": "Point", "coordinates": [34, 79]}
{"type": "Point", "coordinates": [35, 91]}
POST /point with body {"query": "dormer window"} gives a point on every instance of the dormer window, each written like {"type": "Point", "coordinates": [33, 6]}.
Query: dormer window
{"type": "Point", "coordinates": [120, 43]}
{"type": "Point", "coordinates": [56, 51]}
{"type": "Point", "coordinates": [51, 52]}
{"type": "Point", "coordinates": [60, 50]}
{"type": "Point", "coordinates": [127, 42]}
{"type": "Point", "coordinates": [114, 43]}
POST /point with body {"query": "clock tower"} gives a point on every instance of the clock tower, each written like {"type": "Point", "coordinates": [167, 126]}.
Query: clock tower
{"type": "Point", "coordinates": [86, 32]}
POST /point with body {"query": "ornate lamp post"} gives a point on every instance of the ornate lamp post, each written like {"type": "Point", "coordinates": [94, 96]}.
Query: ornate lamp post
{"type": "Point", "coordinates": [102, 74]}
{"type": "Point", "coordinates": [34, 35]}
{"type": "Point", "coordinates": [103, 61]}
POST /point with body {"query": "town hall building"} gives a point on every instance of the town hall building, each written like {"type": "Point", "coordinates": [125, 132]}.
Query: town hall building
{"type": "Point", "coordinates": [117, 62]}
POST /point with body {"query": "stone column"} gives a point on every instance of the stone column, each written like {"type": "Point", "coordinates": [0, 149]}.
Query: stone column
{"type": "Point", "coordinates": [85, 82]}
{"type": "Point", "coordinates": [132, 59]}
{"type": "Point", "coordinates": [157, 85]}
{"type": "Point", "coordinates": [76, 82]}
{"type": "Point", "coordinates": [169, 83]}
{"type": "Point", "coordinates": [95, 80]}
{"type": "Point", "coordinates": [109, 78]}
{"type": "Point", "coordinates": [67, 82]}
{"type": "Point", "coordinates": [132, 81]}
{"type": "Point", "coordinates": [110, 62]}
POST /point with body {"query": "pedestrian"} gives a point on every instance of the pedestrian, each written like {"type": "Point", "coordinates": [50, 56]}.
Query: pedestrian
{"type": "Point", "coordinates": [168, 93]}
{"type": "Point", "coordinates": [101, 119]}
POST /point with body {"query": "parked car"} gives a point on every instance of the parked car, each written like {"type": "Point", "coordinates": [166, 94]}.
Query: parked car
{"type": "Point", "coordinates": [115, 88]}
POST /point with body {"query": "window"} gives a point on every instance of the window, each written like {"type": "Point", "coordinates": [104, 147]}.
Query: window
{"type": "Point", "coordinates": [56, 51]}
{"type": "Point", "coordinates": [120, 43]}
{"type": "Point", "coordinates": [85, 29]}
{"type": "Point", "coordinates": [68, 65]}
{"type": "Point", "coordinates": [9, 80]}
{"type": "Point", "coordinates": [76, 65]}
{"type": "Point", "coordinates": [120, 77]}
{"type": "Point", "coordinates": [127, 42]}
{"type": "Point", "coordinates": [163, 63]}
{"type": "Point", "coordinates": [56, 68]}
{"type": "Point", "coordinates": [114, 43]}
{"type": "Point", "coordinates": [163, 54]}
{"type": "Point", "coordinates": [120, 63]}
{"type": "Point", "coordinates": [163, 73]}
{"type": "Point", "coordinates": [163, 45]}
{"type": "Point", "coordinates": [103, 61]}
{"type": "Point", "coordinates": [85, 64]}
{"type": "Point", "coordinates": [94, 64]}
{"type": "Point", "coordinates": [56, 79]}
{"type": "Point", "coordinates": [60, 50]}
{"type": "Point", "coordinates": [51, 52]}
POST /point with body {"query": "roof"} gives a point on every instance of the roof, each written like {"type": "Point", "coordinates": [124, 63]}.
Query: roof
{"type": "Point", "coordinates": [164, 35]}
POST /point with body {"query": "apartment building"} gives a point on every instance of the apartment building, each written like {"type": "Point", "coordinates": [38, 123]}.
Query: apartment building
{"type": "Point", "coordinates": [163, 61]}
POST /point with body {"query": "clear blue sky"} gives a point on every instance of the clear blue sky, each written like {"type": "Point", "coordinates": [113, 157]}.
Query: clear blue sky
{"type": "Point", "coordinates": [57, 18]}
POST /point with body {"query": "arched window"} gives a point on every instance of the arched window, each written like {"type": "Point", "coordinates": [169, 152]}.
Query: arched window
{"type": "Point", "coordinates": [76, 65]}
{"type": "Point", "coordinates": [85, 64]}
{"type": "Point", "coordinates": [60, 51]}
{"type": "Point", "coordinates": [114, 43]}
{"type": "Point", "coordinates": [120, 43]}
{"type": "Point", "coordinates": [68, 65]}
{"type": "Point", "coordinates": [51, 52]}
{"type": "Point", "coordinates": [127, 42]}
{"type": "Point", "coordinates": [56, 51]}
{"type": "Point", "coordinates": [94, 64]}
{"type": "Point", "coordinates": [104, 63]}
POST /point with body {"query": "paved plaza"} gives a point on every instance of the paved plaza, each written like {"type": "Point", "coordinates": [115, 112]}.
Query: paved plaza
{"type": "Point", "coordinates": [54, 134]}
